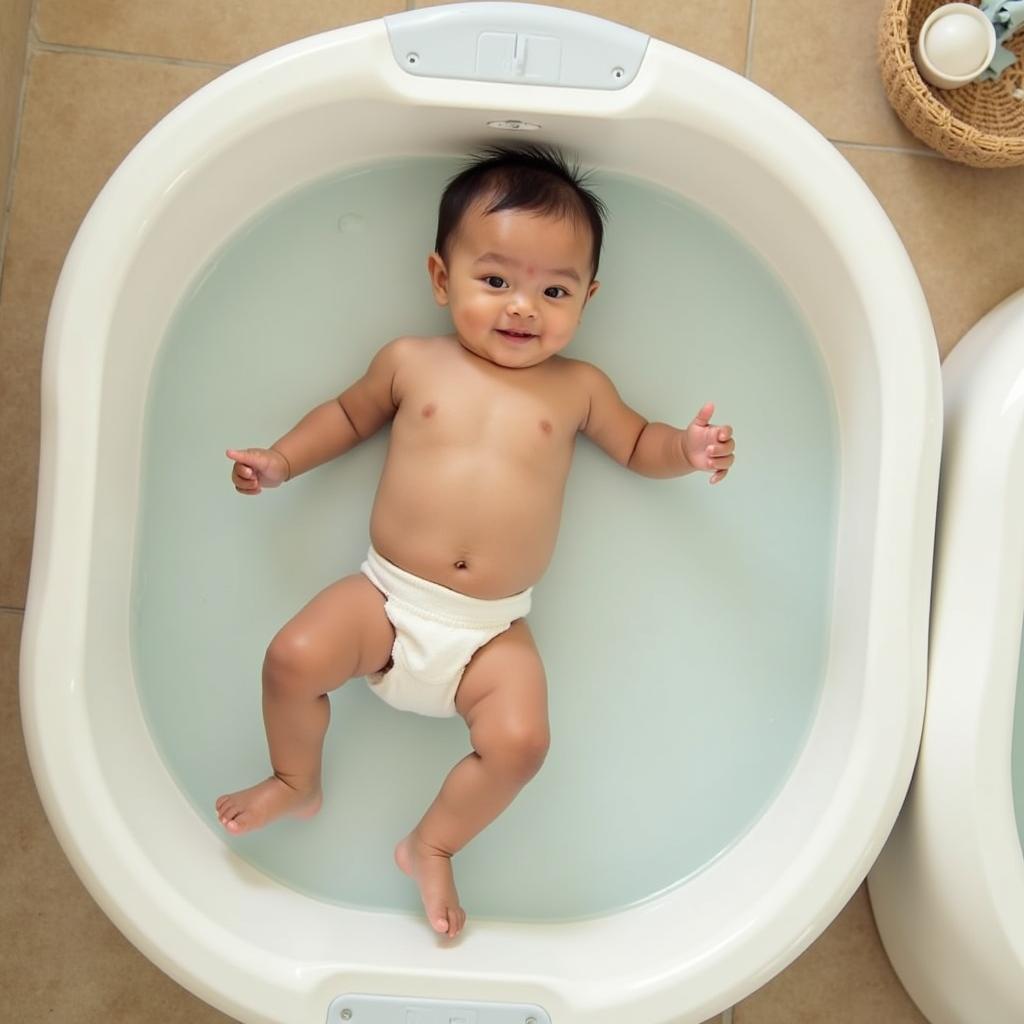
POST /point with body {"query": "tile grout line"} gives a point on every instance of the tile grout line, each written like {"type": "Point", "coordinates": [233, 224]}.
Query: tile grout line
{"type": "Point", "coordinates": [8, 198]}
{"type": "Point", "coordinates": [751, 25]}
{"type": "Point", "coordinates": [877, 148]}
{"type": "Point", "coordinates": [727, 1016]}
{"type": "Point", "coordinates": [7, 610]}
{"type": "Point", "coordinates": [91, 51]}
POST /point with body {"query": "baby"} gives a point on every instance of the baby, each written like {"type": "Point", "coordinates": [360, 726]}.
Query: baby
{"type": "Point", "coordinates": [483, 426]}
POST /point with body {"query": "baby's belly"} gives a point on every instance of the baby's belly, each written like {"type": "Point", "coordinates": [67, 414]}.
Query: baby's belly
{"type": "Point", "coordinates": [487, 533]}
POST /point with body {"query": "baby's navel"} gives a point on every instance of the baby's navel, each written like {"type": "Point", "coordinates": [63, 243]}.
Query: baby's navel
{"type": "Point", "coordinates": [461, 564]}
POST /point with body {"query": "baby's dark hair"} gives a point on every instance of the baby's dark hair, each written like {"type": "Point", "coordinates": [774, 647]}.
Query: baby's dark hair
{"type": "Point", "coordinates": [536, 178]}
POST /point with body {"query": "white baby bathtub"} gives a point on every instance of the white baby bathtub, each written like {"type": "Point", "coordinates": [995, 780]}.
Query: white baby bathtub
{"type": "Point", "coordinates": [265, 953]}
{"type": "Point", "coordinates": [948, 890]}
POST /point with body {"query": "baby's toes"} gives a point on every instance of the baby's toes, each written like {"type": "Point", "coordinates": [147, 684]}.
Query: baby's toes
{"type": "Point", "coordinates": [229, 813]}
{"type": "Point", "coordinates": [456, 921]}
{"type": "Point", "coordinates": [240, 821]}
{"type": "Point", "coordinates": [441, 919]}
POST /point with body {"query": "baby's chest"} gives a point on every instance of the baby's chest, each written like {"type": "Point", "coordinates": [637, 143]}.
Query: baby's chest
{"type": "Point", "coordinates": [529, 422]}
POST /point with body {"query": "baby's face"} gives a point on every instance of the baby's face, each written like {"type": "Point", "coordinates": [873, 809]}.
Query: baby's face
{"type": "Point", "coordinates": [516, 284]}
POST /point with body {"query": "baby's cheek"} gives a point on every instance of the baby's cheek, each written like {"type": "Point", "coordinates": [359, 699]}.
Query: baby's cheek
{"type": "Point", "coordinates": [468, 314]}
{"type": "Point", "coordinates": [480, 321]}
{"type": "Point", "coordinates": [479, 316]}
{"type": "Point", "coordinates": [564, 330]}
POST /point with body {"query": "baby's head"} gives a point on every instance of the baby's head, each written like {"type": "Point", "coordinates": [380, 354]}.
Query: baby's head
{"type": "Point", "coordinates": [537, 180]}
{"type": "Point", "coordinates": [518, 243]}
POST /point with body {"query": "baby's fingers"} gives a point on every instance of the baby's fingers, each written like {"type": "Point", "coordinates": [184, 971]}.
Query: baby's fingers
{"type": "Point", "coordinates": [244, 477]}
{"type": "Point", "coordinates": [717, 452]}
{"type": "Point", "coordinates": [720, 459]}
{"type": "Point", "coordinates": [246, 484]}
{"type": "Point", "coordinates": [725, 445]}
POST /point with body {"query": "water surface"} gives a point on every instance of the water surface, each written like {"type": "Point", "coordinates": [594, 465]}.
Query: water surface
{"type": "Point", "coordinates": [683, 627]}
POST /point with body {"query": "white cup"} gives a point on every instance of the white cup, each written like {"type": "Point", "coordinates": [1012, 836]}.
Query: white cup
{"type": "Point", "coordinates": [956, 44]}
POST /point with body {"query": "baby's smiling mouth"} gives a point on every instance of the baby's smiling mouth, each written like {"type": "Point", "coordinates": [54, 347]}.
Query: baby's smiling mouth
{"type": "Point", "coordinates": [519, 335]}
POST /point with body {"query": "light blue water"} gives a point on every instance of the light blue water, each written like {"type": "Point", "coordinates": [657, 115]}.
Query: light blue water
{"type": "Point", "coordinates": [1017, 756]}
{"type": "Point", "coordinates": [683, 627]}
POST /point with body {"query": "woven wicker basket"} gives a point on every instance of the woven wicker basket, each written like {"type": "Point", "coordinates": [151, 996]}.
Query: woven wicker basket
{"type": "Point", "coordinates": [981, 124]}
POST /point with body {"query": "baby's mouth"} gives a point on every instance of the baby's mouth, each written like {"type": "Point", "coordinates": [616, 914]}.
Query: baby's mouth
{"type": "Point", "coordinates": [516, 335]}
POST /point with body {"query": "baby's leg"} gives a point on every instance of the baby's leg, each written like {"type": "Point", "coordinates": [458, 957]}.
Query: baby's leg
{"type": "Point", "coordinates": [343, 632]}
{"type": "Point", "coordinates": [503, 698]}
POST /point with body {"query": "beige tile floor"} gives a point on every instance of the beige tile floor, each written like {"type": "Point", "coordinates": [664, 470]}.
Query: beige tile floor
{"type": "Point", "coordinates": [98, 74]}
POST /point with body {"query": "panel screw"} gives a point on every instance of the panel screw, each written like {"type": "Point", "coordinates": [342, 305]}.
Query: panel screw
{"type": "Point", "coordinates": [618, 73]}
{"type": "Point", "coordinates": [531, 1020]}
{"type": "Point", "coordinates": [412, 58]}
{"type": "Point", "coordinates": [514, 125]}
{"type": "Point", "coordinates": [346, 1014]}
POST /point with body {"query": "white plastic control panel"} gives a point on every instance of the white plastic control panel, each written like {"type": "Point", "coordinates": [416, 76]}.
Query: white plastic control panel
{"type": "Point", "coordinates": [512, 42]}
{"type": "Point", "coordinates": [366, 1009]}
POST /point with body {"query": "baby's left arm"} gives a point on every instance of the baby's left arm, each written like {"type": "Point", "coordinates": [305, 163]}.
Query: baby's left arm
{"type": "Point", "coordinates": [654, 449]}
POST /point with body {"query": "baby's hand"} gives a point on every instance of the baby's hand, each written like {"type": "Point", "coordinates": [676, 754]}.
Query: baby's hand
{"type": "Point", "coordinates": [256, 468]}
{"type": "Point", "coordinates": [708, 447]}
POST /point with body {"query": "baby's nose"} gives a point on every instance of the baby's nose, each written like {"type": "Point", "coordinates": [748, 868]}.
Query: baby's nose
{"type": "Point", "coordinates": [520, 305]}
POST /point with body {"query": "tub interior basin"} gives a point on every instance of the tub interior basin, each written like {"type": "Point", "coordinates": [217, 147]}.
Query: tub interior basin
{"type": "Point", "coordinates": [684, 627]}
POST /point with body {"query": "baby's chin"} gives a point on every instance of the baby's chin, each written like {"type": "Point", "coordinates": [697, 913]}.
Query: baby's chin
{"type": "Point", "coordinates": [511, 355]}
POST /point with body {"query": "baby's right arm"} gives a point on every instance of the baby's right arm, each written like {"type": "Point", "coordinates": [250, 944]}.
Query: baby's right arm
{"type": "Point", "coordinates": [329, 430]}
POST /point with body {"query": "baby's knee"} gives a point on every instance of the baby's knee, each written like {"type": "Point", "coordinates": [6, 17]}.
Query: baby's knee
{"type": "Point", "coordinates": [288, 663]}
{"type": "Point", "coordinates": [521, 747]}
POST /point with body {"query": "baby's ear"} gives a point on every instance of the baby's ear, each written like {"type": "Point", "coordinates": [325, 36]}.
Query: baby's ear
{"type": "Point", "coordinates": [438, 278]}
{"type": "Point", "coordinates": [591, 291]}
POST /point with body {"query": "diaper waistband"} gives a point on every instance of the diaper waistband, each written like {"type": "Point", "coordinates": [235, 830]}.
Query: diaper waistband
{"type": "Point", "coordinates": [432, 601]}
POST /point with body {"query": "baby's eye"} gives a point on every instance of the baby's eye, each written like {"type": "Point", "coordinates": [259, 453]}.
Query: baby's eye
{"type": "Point", "coordinates": [555, 292]}
{"type": "Point", "coordinates": [494, 281]}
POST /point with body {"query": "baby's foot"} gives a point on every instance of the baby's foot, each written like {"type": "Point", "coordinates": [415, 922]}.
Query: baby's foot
{"type": "Point", "coordinates": [431, 870]}
{"type": "Point", "coordinates": [252, 808]}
